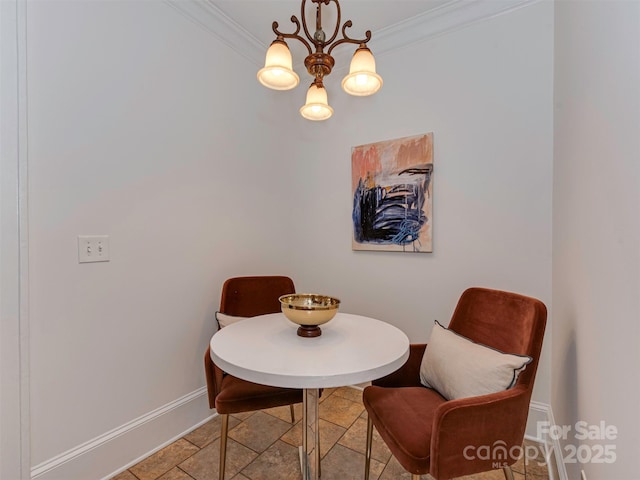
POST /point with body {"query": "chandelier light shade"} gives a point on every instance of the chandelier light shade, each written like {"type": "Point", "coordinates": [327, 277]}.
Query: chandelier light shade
{"type": "Point", "coordinates": [316, 107]}
{"type": "Point", "coordinates": [362, 79]}
{"type": "Point", "coordinates": [278, 73]}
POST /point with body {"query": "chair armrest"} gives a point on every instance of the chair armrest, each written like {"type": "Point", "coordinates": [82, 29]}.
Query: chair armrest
{"type": "Point", "coordinates": [407, 375]}
{"type": "Point", "coordinates": [496, 422]}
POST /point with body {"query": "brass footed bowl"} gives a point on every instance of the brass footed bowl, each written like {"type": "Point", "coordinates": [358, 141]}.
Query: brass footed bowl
{"type": "Point", "coordinates": [309, 310]}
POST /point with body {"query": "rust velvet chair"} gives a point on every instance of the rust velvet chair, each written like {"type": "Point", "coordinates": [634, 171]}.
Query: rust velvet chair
{"type": "Point", "coordinates": [246, 297]}
{"type": "Point", "coordinates": [428, 433]}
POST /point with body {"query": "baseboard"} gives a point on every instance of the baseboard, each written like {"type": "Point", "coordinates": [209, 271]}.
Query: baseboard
{"type": "Point", "coordinates": [124, 446]}
{"type": "Point", "coordinates": [541, 412]}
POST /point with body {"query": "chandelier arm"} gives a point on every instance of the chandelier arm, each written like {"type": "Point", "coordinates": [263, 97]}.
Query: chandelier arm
{"type": "Point", "coordinates": [295, 35]}
{"type": "Point", "coordinates": [348, 24]}
{"type": "Point", "coordinates": [347, 39]}
{"type": "Point", "coordinates": [304, 22]}
{"type": "Point", "coordinates": [294, 19]}
{"type": "Point", "coordinates": [338, 20]}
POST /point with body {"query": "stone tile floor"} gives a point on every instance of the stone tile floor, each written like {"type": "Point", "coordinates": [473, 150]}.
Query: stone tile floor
{"type": "Point", "coordinates": [263, 445]}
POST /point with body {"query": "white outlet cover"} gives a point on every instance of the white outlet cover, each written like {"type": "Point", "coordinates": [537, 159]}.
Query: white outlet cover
{"type": "Point", "coordinates": [93, 248]}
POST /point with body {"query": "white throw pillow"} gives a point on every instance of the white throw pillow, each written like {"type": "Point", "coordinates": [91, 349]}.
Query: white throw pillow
{"type": "Point", "coordinates": [458, 367]}
{"type": "Point", "coordinates": [224, 319]}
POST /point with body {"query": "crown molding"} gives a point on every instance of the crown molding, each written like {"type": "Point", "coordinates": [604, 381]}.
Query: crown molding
{"type": "Point", "coordinates": [207, 15]}
{"type": "Point", "coordinates": [447, 17]}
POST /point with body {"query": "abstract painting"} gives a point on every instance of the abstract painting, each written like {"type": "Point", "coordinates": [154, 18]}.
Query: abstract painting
{"type": "Point", "coordinates": [392, 186]}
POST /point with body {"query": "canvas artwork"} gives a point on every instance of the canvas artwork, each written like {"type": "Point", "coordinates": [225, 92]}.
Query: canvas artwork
{"type": "Point", "coordinates": [392, 185]}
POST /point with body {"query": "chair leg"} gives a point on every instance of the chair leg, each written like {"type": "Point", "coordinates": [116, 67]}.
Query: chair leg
{"type": "Point", "coordinates": [223, 445]}
{"type": "Point", "coordinates": [293, 417]}
{"type": "Point", "coordinates": [367, 455]}
{"type": "Point", "coordinates": [508, 473]}
{"type": "Point", "coordinates": [415, 477]}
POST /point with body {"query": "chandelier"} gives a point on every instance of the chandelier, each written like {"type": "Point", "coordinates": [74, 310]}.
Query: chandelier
{"type": "Point", "coordinates": [278, 73]}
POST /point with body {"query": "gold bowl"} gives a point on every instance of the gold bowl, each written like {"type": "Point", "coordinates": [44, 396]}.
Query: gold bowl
{"type": "Point", "coordinates": [309, 310]}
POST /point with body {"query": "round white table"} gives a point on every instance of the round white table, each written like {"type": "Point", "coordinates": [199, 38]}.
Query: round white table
{"type": "Point", "coordinates": [352, 349]}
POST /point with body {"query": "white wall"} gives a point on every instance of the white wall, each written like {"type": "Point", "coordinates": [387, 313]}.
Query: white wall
{"type": "Point", "coordinates": [596, 229]}
{"type": "Point", "coordinates": [136, 130]}
{"type": "Point", "coordinates": [486, 93]}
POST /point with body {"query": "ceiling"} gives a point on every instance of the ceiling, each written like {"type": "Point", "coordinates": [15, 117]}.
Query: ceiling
{"type": "Point", "coordinates": [245, 25]}
{"type": "Point", "coordinates": [256, 16]}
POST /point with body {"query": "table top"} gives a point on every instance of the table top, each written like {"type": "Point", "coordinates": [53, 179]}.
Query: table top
{"type": "Point", "coordinates": [352, 349]}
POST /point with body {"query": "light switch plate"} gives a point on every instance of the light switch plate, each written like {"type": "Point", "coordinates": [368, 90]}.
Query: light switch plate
{"type": "Point", "coordinates": [93, 248]}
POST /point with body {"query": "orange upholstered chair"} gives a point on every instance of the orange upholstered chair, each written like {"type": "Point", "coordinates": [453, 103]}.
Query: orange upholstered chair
{"type": "Point", "coordinates": [246, 297]}
{"type": "Point", "coordinates": [429, 433]}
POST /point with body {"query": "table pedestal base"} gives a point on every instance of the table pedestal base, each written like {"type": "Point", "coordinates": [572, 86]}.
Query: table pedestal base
{"type": "Point", "coordinates": [310, 449]}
